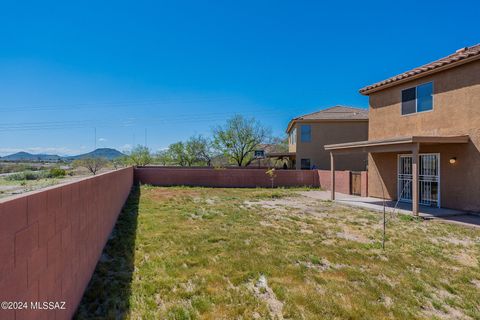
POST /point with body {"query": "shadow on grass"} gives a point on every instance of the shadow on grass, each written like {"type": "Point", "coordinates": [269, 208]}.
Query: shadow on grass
{"type": "Point", "coordinates": [108, 293]}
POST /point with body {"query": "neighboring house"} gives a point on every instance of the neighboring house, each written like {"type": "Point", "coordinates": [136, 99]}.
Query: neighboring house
{"type": "Point", "coordinates": [308, 134]}
{"type": "Point", "coordinates": [424, 134]}
{"type": "Point", "coordinates": [263, 158]}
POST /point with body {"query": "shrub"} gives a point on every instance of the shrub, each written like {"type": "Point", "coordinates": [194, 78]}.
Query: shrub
{"type": "Point", "coordinates": [56, 173]}
{"type": "Point", "coordinates": [26, 175]}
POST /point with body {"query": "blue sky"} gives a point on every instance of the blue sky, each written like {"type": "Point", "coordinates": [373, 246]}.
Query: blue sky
{"type": "Point", "coordinates": [178, 68]}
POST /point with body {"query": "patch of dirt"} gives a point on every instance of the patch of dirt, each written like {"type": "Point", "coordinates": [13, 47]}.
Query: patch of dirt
{"type": "Point", "coordinates": [449, 313]}
{"type": "Point", "coordinates": [167, 193]}
{"type": "Point", "coordinates": [466, 259]}
{"type": "Point", "coordinates": [273, 225]}
{"type": "Point", "coordinates": [353, 235]}
{"type": "Point", "coordinates": [386, 301]}
{"type": "Point", "coordinates": [383, 278]}
{"type": "Point", "coordinates": [211, 201]}
{"type": "Point", "coordinates": [188, 286]}
{"type": "Point", "coordinates": [159, 301]}
{"type": "Point", "coordinates": [475, 282]}
{"type": "Point", "coordinates": [414, 269]}
{"type": "Point", "coordinates": [266, 294]}
{"type": "Point", "coordinates": [306, 231]}
{"type": "Point", "coordinates": [323, 265]}
{"type": "Point", "coordinates": [329, 242]}
{"type": "Point", "coordinates": [293, 205]}
{"type": "Point", "coordinates": [455, 241]}
{"type": "Point", "coordinates": [317, 287]}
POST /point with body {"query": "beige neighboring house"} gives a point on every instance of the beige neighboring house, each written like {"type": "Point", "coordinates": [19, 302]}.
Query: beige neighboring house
{"type": "Point", "coordinates": [308, 134]}
{"type": "Point", "coordinates": [424, 134]}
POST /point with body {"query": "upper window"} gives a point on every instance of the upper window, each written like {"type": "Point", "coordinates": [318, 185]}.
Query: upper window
{"type": "Point", "coordinates": [292, 137]}
{"type": "Point", "coordinates": [417, 99]}
{"type": "Point", "coordinates": [306, 133]}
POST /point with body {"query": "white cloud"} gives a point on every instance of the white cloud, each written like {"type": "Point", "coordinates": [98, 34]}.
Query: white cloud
{"type": "Point", "coordinates": [125, 147]}
{"type": "Point", "coordinates": [102, 139]}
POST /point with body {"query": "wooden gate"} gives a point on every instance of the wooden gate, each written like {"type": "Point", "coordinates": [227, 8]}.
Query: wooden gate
{"type": "Point", "coordinates": [356, 183]}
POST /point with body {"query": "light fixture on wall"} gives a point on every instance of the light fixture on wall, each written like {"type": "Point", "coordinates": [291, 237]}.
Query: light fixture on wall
{"type": "Point", "coordinates": [453, 160]}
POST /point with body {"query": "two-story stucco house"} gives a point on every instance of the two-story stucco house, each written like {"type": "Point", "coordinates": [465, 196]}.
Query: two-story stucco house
{"type": "Point", "coordinates": [308, 134]}
{"type": "Point", "coordinates": [424, 134]}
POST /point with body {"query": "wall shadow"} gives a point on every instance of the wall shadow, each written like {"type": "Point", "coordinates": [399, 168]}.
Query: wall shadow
{"type": "Point", "coordinates": [108, 293]}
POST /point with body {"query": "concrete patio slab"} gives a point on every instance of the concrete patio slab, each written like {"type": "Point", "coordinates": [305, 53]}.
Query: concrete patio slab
{"type": "Point", "coordinates": [400, 207]}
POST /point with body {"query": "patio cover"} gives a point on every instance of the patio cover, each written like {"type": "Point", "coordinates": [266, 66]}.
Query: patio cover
{"type": "Point", "coordinates": [404, 144]}
{"type": "Point", "coordinates": [280, 155]}
{"type": "Point", "coordinates": [394, 144]}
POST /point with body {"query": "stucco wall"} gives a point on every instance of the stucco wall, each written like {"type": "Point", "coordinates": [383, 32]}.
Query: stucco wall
{"type": "Point", "coordinates": [324, 133]}
{"type": "Point", "coordinates": [456, 111]}
{"type": "Point", "coordinates": [51, 240]}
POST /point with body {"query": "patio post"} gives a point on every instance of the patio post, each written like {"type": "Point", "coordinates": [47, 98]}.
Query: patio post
{"type": "Point", "coordinates": [415, 161]}
{"type": "Point", "coordinates": [332, 176]}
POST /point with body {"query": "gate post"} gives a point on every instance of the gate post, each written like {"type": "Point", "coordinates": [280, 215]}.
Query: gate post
{"type": "Point", "coordinates": [332, 176]}
{"type": "Point", "coordinates": [415, 160]}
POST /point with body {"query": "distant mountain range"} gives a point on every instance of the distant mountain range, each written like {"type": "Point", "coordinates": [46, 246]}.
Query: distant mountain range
{"type": "Point", "coordinates": [106, 153]}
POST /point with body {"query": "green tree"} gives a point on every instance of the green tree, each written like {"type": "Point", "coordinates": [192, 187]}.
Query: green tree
{"type": "Point", "coordinates": [177, 154]}
{"type": "Point", "coordinates": [163, 157]}
{"type": "Point", "coordinates": [239, 138]}
{"type": "Point", "coordinates": [198, 150]}
{"type": "Point", "coordinates": [118, 162]}
{"type": "Point", "coordinates": [139, 156]}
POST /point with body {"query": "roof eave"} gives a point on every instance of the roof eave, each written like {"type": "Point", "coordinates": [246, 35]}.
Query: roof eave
{"type": "Point", "coordinates": [398, 141]}
{"type": "Point", "coordinates": [367, 92]}
{"type": "Point", "coordinates": [292, 122]}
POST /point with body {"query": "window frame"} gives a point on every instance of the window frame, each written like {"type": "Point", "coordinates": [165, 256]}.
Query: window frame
{"type": "Point", "coordinates": [292, 136]}
{"type": "Point", "coordinates": [416, 99]}
{"type": "Point", "coordinates": [309, 163]}
{"type": "Point", "coordinates": [301, 133]}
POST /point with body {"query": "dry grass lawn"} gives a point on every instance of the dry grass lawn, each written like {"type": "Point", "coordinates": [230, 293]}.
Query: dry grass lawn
{"type": "Point", "coordinates": [199, 253]}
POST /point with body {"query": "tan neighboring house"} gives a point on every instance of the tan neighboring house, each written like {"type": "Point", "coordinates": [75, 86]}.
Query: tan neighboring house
{"type": "Point", "coordinates": [424, 134]}
{"type": "Point", "coordinates": [308, 134]}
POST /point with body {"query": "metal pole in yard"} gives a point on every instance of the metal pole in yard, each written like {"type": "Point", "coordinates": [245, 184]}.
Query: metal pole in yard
{"type": "Point", "coordinates": [384, 227]}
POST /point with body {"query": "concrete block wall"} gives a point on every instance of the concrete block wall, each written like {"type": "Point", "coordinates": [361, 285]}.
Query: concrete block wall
{"type": "Point", "coordinates": [364, 182]}
{"type": "Point", "coordinates": [225, 177]}
{"type": "Point", "coordinates": [51, 240]}
{"type": "Point", "coordinates": [245, 178]}
{"type": "Point", "coordinates": [342, 181]}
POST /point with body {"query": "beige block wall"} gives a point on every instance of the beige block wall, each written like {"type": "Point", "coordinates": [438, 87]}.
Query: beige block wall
{"type": "Point", "coordinates": [456, 111]}
{"type": "Point", "coordinates": [324, 133]}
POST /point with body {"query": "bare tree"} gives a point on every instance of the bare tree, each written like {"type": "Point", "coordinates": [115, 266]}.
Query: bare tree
{"type": "Point", "coordinates": [93, 165]}
{"type": "Point", "coordinates": [239, 138]}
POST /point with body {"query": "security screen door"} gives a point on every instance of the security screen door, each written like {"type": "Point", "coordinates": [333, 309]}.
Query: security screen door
{"type": "Point", "coordinates": [428, 179]}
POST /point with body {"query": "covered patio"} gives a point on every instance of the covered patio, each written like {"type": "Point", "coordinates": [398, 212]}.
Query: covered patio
{"type": "Point", "coordinates": [391, 206]}
{"type": "Point", "coordinates": [285, 157]}
{"type": "Point", "coordinates": [408, 145]}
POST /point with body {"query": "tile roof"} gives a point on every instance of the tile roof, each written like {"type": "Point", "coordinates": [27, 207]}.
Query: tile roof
{"type": "Point", "coordinates": [337, 113]}
{"type": "Point", "coordinates": [333, 114]}
{"type": "Point", "coordinates": [458, 57]}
